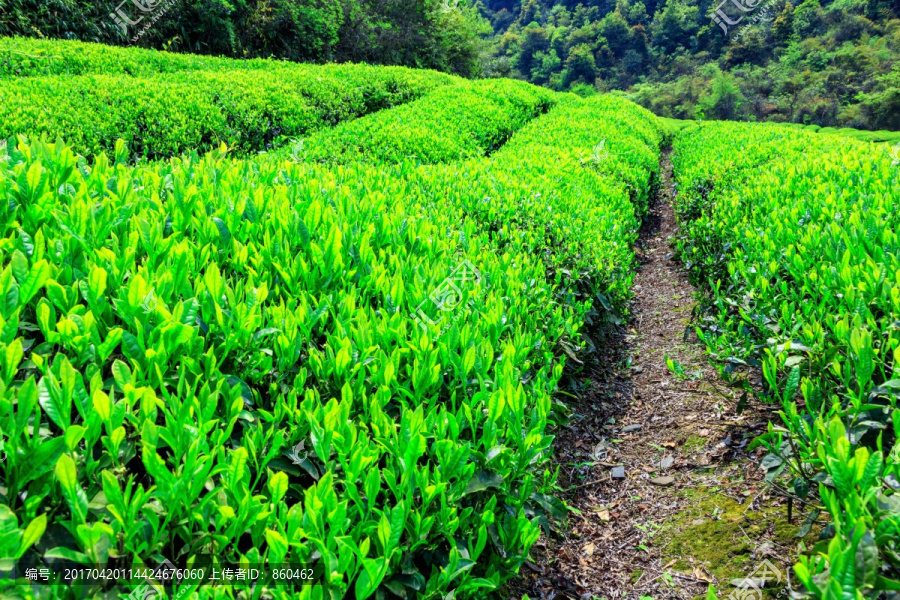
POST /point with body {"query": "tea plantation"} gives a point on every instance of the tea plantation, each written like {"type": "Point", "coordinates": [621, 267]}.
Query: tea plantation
{"type": "Point", "coordinates": [318, 318]}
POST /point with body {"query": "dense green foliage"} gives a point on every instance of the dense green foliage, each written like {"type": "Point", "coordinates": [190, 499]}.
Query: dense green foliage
{"type": "Point", "coordinates": [676, 125]}
{"type": "Point", "coordinates": [862, 136]}
{"type": "Point", "coordinates": [453, 123]}
{"type": "Point", "coordinates": [164, 114]}
{"type": "Point", "coordinates": [24, 57]}
{"type": "Point", "coordinates": [172, 330]}
{"type": "Point", "coordinates": [831, 64]}
{"type": "Point", "coordinates": [416, 33]}
{"type": "Point", "coordinates": [794, 236]}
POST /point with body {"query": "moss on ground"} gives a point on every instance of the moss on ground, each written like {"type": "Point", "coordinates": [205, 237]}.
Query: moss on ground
{"type": "Point", "coordinates": [693, 443]}
{"type": "Point", "coordinates": [716, 533]}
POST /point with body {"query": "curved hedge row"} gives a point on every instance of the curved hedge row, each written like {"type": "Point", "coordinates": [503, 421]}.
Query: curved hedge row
{"type": "Point", "coordinates": [30, 57]}
{"type": "Point", "coordinates": [585, 253]}
{"type": "Point", "coordinates": [466, 120]}
{"type": "Point", "coordinates": [162, 115]}
{"type": "Point", "coordinates": [857, 134]}
{"type": "Point", "coordinates": [586, 246]}
{"type": "Point", "coordinates": [195, 320]}
{"type": "Point", "coordinates": [794, 235]}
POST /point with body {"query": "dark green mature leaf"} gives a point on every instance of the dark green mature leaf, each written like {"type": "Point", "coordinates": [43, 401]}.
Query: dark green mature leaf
{"type": "Point", "coordinates": [131, 347]}
{"type": "Point", "coordinates": [866, 562]}
{"type": "Point", "coordinates": [224, 233]}
{"type": "Point", "coordinates": [801, 487]}
{"type": "Point", "coordinates": [808, 523]}
{"type": "Point", "coordinates": [483, 480]}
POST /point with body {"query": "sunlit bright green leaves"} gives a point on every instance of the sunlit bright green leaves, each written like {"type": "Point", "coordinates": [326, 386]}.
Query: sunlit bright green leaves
{"type": "Point", "coordinates": [238, 357]}
{"type": "Point", "coordinates": [794, 237]}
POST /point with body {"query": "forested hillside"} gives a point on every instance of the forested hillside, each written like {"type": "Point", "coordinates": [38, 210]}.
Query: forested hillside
{"type": "Point", "coordinates": [830, 64]}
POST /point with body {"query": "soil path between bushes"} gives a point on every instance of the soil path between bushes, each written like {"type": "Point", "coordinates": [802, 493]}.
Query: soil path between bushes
{"type": "Point", "coordinates": [647, 449]}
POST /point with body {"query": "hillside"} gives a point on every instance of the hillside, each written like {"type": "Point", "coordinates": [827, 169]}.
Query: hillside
{"type": "Point", "coordinates": [829, 64]}
{"type": "Point", "coordinates": [278, 330]}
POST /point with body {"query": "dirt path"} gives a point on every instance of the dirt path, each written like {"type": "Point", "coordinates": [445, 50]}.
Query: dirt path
{"type": "Point", "coordinates": [654, 461]}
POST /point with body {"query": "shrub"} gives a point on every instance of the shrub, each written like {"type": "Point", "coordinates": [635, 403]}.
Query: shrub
{"type": "Point", "coordinates": [176, 330]}
{"type": "Point", "coordinates": [163, 115]}
{"type": "Point", "coordinates": [794, 236]}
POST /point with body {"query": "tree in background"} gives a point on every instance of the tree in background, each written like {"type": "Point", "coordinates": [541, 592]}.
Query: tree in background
{"type": "Point", "coordinates": [724, 98]}
{"type": "Point", "coordinates": [674, 26]}
{"type": "Point", "coordinates": [827, 62]}
{"type": "Point", "coordinates": [580, 66]}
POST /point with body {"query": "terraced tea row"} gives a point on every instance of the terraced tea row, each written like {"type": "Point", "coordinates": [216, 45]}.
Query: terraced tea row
{"type": "Point", "coordinates": [27, 57]}
{"type": "Point", "coordinates": [279, 362]}
{"type": "Point", "coordinates": [795, 237]}
{"type": "Point", "coordinates": [163, 115]}
{"type": "Point", "coordinates": [465, 120]}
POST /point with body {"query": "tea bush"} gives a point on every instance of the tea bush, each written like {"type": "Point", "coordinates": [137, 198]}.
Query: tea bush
{"type": "Point", "coordinates": [172, 331]}
{"type": "Point", "coordinates": [454, 122]}
{"type": "Point", "coordinates": [162, 115]}
{"type": "Point", "coordinates": [30, 57]}
{"type": "Point", "coordinates": [794, 235]}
